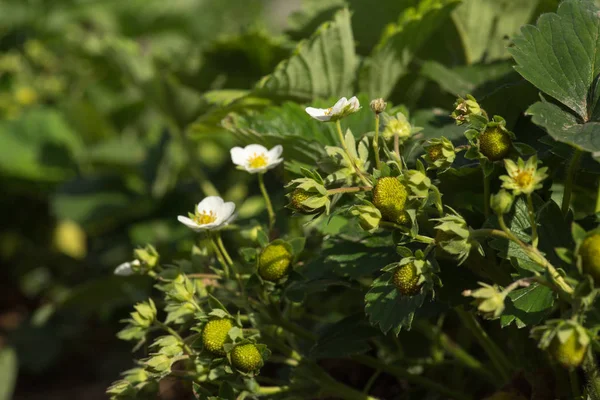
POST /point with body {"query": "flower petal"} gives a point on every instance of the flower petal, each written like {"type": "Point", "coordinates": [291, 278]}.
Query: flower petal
{"type": "Point", "coordinates": [210, 203]}
{"type": "Point", "coordinates": [274, 163]}
{"type": "Point", "coordinates": [124, 269]}
{"type": "Point", "coordinates": [275, 152]}
{"type": "Point", "coordinates": [354, 103]}
{"type": "Point", "coordinates": [238, 156]}
{"type": "Point", "coordinates": [225, 212]}
{"type": "Point", "coordinates": [318, 113]}
{"type": "Point", "coordinates": [252, 149]}
{"type": "Point", "coordinates": [339, 106]}
{"type": "Point", "coordinates": [189, 223]}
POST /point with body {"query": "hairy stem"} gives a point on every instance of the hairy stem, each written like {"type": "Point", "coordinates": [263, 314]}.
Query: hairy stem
{"type": "Point", "coordinates": [230, 263]}
{"type": "Point", "coordinates": [597, 210]}
{"type": "Point", "coordinates": [220, 258]}
{"type": "Point", "coordinates": [592, 375]}
{"type": "Point", "coordinates": [263, 190]}
{"type": "Point", "coordinates": [353, 189]}
{"type": "Point", "coordinates": [500, 361]}
{"type": "Point", "coordinates": [570, 179]}
{"type": "Point", "coordinates": [376, 143]}
{"type": "Point", "coordinates": [403, 374]}
{"type": "Point", "coordinates": [340, 133]}
{"type": "Point", "coordinates": [531, 213]}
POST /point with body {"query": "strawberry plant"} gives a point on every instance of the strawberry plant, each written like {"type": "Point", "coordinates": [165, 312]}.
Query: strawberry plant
{"type": "Point", "coordinates": [435, 235]}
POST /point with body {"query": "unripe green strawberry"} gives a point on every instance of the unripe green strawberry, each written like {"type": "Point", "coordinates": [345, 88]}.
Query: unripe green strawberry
{"type": "Point", "coordinates": [274, 262]}
{"type": "Point", "coordinates": [494, 143]}
{"type": "Point", "coordinates": [406, 280]}
{"type": "Point", "coordinates": [246, 357]}
{"type": "Point", "coordinates": [214, 335]}
{"type": "Point", "coordinates": [296, 199]}
{"type": "Point", "coordinates": [389, 196]}
{"type": "Point", "coordinates": [590, 256]}
{"type": "Point", "coordinates": [568, 354]}
{"type": "Point", "coordinates": [435, 152]}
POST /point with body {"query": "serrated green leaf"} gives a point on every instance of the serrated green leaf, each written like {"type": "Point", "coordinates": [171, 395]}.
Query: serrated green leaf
{"type": "Point", "coordinates": [322, 66]}
{"type": "Point", "coordinates": [566, 127]}
{"type": "Point", "coordinates": [560, 56]}
{"type": "Point", "coordinates": [400, 41]}
{"type": "Point", "coordinates": [527, 306]}
{"type": "Point", "coordinates": [388, 309]}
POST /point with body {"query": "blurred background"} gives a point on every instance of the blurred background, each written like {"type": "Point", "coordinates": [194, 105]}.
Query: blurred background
{"type": "Point", "coordinates": [110, 127]}
{"type": "Point", "coordinates": [94, 99]}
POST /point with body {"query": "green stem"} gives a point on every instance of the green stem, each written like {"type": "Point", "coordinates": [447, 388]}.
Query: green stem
{"type": "Point", "coordinates": [333, 388]}
{"type": "Point", "coordinates": [464, 358]}
{"type": "Point", "coordinates": [486, 194]}
{"type": "Point", "coordinates": [403, 374]}
{"type": "Point", "coordinates": [376, 143]}
{"type": "Point", "coordinates": [397, 145]}
{"type": "Point", "coordinates": [290, 326]}
{"type": "Point", "coordinates": [575, 384]}
{"type": "Point", "coordinates": [570, 179]}
{"type": "Point", "coordinates": [500, 361]}
{"type": "Point", "coordinates": [371, 381]}
{"type": "Point", "coordinates": [340, 133]}
{"type": "Point", "coordinates": [536, 257]}
{"type": "Point", "coordinates": [531, 212]}
{"type": "Point", "coordinates": [230, 262]}
{"type": "Point", "coordinates": [353, 189]}
{"type": "Point", "coordinates": [592, 375]}
{"type": "Point", "coordinates": [186, 349]}
{"type": "Point", "coordinates": [220, 258]}
{"type": "Point", "coordinates": [263, 189]}
{"type": "Point", "coordinates": [271, 390]}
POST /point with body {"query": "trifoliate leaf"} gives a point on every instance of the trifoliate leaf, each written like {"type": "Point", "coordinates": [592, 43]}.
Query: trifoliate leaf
{"type": "Point", "coordinates": [344, 338]}
{"type": "Point", "coordinates": [387, 308]}
{"type": "Point", "coordinates": [527, 306]}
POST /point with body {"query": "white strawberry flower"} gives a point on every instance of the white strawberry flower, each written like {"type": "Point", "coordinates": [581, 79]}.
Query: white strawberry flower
{"type": "Point", "coordinates": [255, 158]}
{"type": "Point", "coordinates": [127, 268]}
{"type": "Point", "coordinates": [211, 213]}
{"type": "Point", "coordinates": [340, 109]}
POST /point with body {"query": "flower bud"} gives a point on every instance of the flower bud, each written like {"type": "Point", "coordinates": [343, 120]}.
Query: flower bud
{"type": "Point", "coordinates": [144, 314]}
{"type": "Point", "coordinates": [389, 196]}
{"type": "Point", "coordinates": [246, 357]}
{"type": "Point", "coordinates": [274, 262]}
{"type": "Point", "coordinates": [489, 299]}
{"type": "Point", "coordinates": [368, 217]}
{"type": "Point", "coordinates": [501, 202]}
{"type": "Point", "coordinates": [439, 153]}
{"type": "Point", "coordinates": [378, 106]}
{"type": "Point", "coordinates": [454, 237]}
{"type": "Point", "coordinates": [464, 108]}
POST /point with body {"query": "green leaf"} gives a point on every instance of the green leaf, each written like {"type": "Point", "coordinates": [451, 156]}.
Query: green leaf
{"type": "Point", "coordinates": [39, 145]}
{"type": "Point", "coordinates": [322, 66]}
{"type": "Point", "coordinates": [8, 372]}
{"type": "Point", "coordinates": [527, 306]}
{"type": "Point", "coordinates": [387, 308]}
{"type": "Point", "coordinates": [484, 25]}
{"type": "Point", "coordinates": [566, 127]}
{"type": "Point", "coordinates": [344, 338]}
{"type": "Point", "coordinates": [560, 56]}
{"type": "Point", "coordinates": [390, 58]}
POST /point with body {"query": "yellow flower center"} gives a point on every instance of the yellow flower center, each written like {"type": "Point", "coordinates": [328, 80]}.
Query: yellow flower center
{"type": "Point", "coordinates": [257, 161]}
{"type": "Point", "coordinates": [328, 111]}
{"type": "Point", "coordinates": [205, 217]}
{"type": "Point", "coordinates": [524, 178]}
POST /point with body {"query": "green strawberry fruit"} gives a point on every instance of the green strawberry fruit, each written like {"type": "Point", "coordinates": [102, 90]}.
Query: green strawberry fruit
{"type": "Point", "coordinates": [214, 335]}
{"type": "Point", "coordinates": [246, 358]}
{"type": "Point", "coordinates": [389, 196]}
{"type": "Point", "coordinates": [435, 152]}
{"type": "Point", "coordinates": [568, 354]}
{"type": "Point", "coordinates": [406, 280]}
{"type": "Point", "coordinates": [296, 199]}
{"type": "Point", "coordinates": [494, 143]}
{"type": "Point", "coordinates": [274, 262]}
{"type": "Point", "coordinates": [589, 251]}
